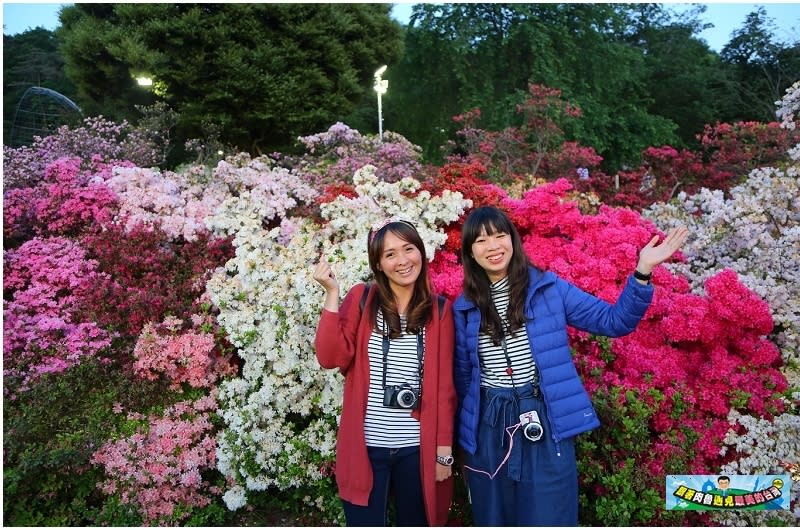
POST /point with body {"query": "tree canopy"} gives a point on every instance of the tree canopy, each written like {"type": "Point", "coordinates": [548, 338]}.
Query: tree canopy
{"type": "Point", "coordinates": [264, 73]}
{"type": "Point", "coordinates": [258, 76]}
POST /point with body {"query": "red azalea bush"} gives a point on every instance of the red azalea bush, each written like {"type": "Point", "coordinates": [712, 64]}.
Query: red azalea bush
{"type": "Point", "coordinates": [149, 275]}
{"type": "Point", "coordinates": [539, 150]}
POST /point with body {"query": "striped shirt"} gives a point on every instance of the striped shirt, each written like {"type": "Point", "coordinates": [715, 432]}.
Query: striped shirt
{"type": "Point", "coordinates": [389, 426]}
{"type": "Point", "coordinates": [494, 364]}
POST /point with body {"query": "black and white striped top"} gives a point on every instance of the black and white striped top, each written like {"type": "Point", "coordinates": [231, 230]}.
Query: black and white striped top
{"type": "Point", "coordinates": [494, 364]}
{"type": "Point", "coordinates": [387, 426]}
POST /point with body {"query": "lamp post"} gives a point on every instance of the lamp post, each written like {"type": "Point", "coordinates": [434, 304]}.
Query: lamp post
{"type": "Point", "coordinates": [380, 87]}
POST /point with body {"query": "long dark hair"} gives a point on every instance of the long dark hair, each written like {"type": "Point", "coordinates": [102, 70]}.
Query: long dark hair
{"type": "Point", "coordinates": [420, 307]}
{"type": "Point", "coordinates": [476, 281]}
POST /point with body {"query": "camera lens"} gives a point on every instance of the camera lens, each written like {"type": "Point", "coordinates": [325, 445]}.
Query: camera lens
{"type": "Point", "coordinates": [533, 432]}
{"type": "Point", "coordinates": [406, 398]}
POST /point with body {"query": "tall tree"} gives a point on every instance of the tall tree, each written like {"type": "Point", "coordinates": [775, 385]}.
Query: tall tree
{"type": "Point", "coordinates": [760, 68]}
{"type": "Point", "coordinates": [682, 74]}
{"type": "Point", "coordinates": [461, 56]}
{"type": "Point", "coordinates": [265, 73]}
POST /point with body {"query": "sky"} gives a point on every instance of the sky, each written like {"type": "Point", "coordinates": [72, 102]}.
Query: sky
{"type": "Point", "coordinates": [726, 17]}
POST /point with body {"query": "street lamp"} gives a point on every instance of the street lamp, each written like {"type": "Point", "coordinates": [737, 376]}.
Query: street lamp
{"type": "Point", "coordinates": [144, 81]}
{"type": "Point", "coordinates": [380, 87]}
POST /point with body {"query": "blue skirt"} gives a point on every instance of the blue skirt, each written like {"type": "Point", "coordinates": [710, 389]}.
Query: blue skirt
{"type": "Point", "coordinates": [533, 484]}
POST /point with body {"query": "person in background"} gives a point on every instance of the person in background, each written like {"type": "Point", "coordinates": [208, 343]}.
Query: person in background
{"type": "Point", "coordinates": [393, 341]}
{"type": "Point", "coordinates": [520, 399]}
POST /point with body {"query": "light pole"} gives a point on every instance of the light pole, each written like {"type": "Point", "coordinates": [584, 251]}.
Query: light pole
{"type": "Point", "coordinates": [380, 87]}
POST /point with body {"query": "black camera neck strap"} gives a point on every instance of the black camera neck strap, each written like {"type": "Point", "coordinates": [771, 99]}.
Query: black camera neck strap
{"type": "Point", "coordinates": [420, 354]}
{"type": "Point", "coordinates": [509, 368]}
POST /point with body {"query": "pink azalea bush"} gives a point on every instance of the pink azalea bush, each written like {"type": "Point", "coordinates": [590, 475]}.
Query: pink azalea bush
{"type": "Point", "coordinates": [66, 201]}
{"type": "Point", "coordinates": [191, 357]}
{"type": "Point", "coordinates": [47, 281]}
{"type": "Point", "coordinates": [160, 468]}
{"type": "Point", "coordinates": [98, 137]}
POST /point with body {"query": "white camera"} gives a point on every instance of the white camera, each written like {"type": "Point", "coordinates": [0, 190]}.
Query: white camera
{"type": "Point", "coordinates": [531, 426]}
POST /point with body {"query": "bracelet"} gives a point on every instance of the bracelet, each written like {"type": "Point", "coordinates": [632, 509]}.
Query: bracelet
{"type": "Point", "coordinates": [639, 276]}
{"type": "Point", "coordinates": [445, 460]}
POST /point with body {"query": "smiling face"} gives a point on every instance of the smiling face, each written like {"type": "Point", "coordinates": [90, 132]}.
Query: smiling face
{"type": "Point", "coordinates": [400, 261]}
{"type": "Point", "coordinates": [493, 253]}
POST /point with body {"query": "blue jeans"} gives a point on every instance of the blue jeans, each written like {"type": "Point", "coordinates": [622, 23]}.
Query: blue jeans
{"type": "Point", "coordinates": [538, 484]}
{"type": "Point", "coordinates": [394, 471]}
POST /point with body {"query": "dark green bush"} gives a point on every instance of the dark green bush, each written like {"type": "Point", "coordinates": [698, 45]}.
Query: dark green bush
{"type": "Point", "coordinates": [49, 435]}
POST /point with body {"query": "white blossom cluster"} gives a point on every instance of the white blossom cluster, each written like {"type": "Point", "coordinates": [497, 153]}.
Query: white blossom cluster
{"type": "Point", "coordinates": [763, 445]}
{"type": "Point", "coordinates": [789, 106]}
{"type": "Point", "coordinates": [181, 203]}
{"type": "Point", "coordinates": [281, 415]}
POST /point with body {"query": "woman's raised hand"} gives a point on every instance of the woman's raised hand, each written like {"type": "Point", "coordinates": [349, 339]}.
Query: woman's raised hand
{"type": "Point", "coordinates": [324, 275]}
{"type": "Point", "coordinates": [653, 254]}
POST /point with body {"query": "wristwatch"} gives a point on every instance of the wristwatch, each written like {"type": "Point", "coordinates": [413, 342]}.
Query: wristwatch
{"type": "Point", "coordinates": [445, 460]}
{"type": "Point", "coordinates": [644, 277]}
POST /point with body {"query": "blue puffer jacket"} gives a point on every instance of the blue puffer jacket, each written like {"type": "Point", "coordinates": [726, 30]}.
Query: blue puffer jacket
{"type": "Point", "coordinates": [552, 303]}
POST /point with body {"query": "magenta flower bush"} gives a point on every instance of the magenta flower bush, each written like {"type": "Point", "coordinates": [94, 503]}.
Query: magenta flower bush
{"type": "Point", "coordinates": [67, 201]}
{"type": "Point", "coordinates": [42, 333]}
{"type": "Point", "coordinates": [699, 357]}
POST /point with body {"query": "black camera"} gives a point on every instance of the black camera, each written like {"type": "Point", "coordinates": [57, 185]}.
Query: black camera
{"type": "Point", "coordinates": [401, 396]}
{"type": "Point", "coordinates": [531, 426]}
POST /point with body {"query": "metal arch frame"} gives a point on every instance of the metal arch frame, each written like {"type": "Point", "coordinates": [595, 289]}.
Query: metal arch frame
{"type": "Point", "coordinates": [58, 97]}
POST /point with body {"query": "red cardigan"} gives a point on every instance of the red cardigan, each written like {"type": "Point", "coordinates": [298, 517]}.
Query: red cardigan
{"type": "Point", "coordinates": [341, 342]}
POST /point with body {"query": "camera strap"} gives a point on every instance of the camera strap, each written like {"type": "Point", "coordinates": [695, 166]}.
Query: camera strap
{"type": "Point", "coordinates": [505, 458]}
{"type": "Point", "coordinates": [420, 354]}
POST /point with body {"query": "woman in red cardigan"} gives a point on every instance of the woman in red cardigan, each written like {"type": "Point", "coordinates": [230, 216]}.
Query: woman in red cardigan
{"type": "Point", "coordinates": [393, 341]}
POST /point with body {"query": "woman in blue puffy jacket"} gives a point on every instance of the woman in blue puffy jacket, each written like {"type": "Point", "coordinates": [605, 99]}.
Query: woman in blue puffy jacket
{"type": "Point", "coordinates": [520, 399]}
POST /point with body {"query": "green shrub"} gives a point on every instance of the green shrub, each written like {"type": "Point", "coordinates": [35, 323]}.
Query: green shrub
{"type": "Point", "coordinates": [49, 435]}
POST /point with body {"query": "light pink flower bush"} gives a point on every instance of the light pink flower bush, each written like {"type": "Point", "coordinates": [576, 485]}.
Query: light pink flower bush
{"type": "Point", "coordinates": [190, 357]}
{"type": "Point", "coordinates": [181, 202]}
{"type": "Point", "coordinates": [335, 155]}
{"type": "Point", "coordinates": [159, 469]}
{"type": "Point", "coordinates": [111, 142]}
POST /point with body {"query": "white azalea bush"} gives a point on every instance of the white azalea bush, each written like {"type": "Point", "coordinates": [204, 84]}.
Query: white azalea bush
{"type": "Point", "coordinates": [762, 445]}
{"type": "Point", "coordinates": [281, 415]}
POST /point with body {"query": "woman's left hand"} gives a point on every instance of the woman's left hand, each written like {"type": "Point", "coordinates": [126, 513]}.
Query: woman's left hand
{"type": "Point", "coordinates": [652, 254]}
{"type": "Point", "coordinates": [443, 472]}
